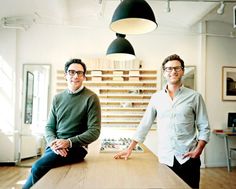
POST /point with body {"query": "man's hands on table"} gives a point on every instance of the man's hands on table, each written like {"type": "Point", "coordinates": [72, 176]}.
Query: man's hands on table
{"type": "Point", "coordinates": [60, 146]}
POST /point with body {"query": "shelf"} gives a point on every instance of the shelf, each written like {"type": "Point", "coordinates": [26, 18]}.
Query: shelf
{"type": "Point", "coordinates": [121, 75]}
{"type": "Point", "coordinates": [124, 100]}
{"type": "Point", "coordinates": [122, 121]}
{"type": "Point", "coordinates": [130, 88]}
{"type": "Point", "coordinates": [62, 86]}
{"type": "Point", "coordinates": [120, 82]}
{"type": "Point", "coordinates": [122, 114]}
{"type": "Point", "coordinates": [123, 108]}
{"type": "Point", "coordinates": [124, 94]}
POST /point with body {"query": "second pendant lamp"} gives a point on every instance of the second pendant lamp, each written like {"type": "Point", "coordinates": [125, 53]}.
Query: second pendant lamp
{"type": "Point", "coordinates": [120, 49]}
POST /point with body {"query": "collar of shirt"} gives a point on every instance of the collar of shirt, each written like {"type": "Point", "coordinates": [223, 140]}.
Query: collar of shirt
{"type": "Point", "coordinates": [176, 92]}
{"type": "Point", "coordinates": [78, 90]}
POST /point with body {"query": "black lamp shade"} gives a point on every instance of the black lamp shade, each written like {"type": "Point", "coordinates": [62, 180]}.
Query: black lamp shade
{"type": "Point", "coordinates": [120, 49]}
{"type": "Point", "coordinates": [133, 17]}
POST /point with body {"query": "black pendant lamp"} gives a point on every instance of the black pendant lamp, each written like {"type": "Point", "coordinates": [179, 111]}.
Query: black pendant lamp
{"type": "Point", "coordinates": [120, 49]}
{"type": "Point", "coordinates": [133, 17]}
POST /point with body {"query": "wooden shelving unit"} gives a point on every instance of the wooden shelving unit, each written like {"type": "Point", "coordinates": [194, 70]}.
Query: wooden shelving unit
{"type": "Point", "coordinates": [124, 94]}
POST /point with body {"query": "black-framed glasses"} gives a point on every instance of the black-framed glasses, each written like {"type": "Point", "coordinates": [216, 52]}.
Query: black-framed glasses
{"type": "Point", "coordinates": [176, 68]}
{"type": "Point", "coordinates": [73, 72]}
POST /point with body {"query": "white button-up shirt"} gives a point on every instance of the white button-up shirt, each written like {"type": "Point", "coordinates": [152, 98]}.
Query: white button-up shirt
{"type": "Point", "coordinates": [181, 122]}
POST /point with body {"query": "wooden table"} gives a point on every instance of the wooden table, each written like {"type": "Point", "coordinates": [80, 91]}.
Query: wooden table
{"type": "Point", "coordinates": [226, 134]}
{"type": "Point", "coordinates": [100, 170]}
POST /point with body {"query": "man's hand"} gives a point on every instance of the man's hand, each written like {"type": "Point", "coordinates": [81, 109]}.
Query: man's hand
{"type": "Point", "coordinates": [197, 151]}
{"type": "Point", "coordinates": [60, 146]}
{"type": "Point", "coordinates": [193, 154]}
{"type": "Point", "coordinates": [127, 152]}
{"type": "Point", "coordinates": [123, 154]}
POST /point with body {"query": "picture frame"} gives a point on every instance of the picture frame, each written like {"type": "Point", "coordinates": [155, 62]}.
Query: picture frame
{"type": "Point", "coordinates": [29, 97]}
{"type": "Point", "coordinates": [234, 16]}
{"type": "Point", "coordinates": [228, 83]}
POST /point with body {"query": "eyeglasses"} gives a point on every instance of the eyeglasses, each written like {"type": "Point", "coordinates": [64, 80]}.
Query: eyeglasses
{"type": "Point", "coordinates": [176, 68]}
{"type": "Point", "coordinates": [73, 72]}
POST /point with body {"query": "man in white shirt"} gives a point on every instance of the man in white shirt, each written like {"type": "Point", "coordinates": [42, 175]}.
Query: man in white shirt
{"type": "Point", "coordinates": [183, 128]}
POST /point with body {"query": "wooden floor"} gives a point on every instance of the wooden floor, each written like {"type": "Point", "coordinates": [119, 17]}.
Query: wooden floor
{"type": "Point", "coordinates": [13, 177]}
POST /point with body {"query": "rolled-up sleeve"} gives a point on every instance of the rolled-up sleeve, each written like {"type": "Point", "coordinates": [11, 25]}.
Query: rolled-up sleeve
{"type": "Point", "coordinates": [202, 122]}
{"type": "Point", "coordinates": [146, 122]}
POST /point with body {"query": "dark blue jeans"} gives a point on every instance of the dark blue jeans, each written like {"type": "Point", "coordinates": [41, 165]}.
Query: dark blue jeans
{"type": "Point", "coordinates": [51, 160]}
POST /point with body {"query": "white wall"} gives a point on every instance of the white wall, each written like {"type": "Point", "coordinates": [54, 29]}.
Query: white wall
{"type": "Point", "coordinates": [7, 78]}
{"type": "Point", "coordinates": [8, 129]}
{"type": "Point", "coordinates": [220, 52]}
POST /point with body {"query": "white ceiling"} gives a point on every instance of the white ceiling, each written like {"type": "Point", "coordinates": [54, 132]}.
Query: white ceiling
{"type": "Point", "coordinates": [98, 13]}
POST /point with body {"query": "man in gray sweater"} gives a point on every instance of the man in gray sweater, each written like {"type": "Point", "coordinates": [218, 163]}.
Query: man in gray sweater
{"type": "Point", "coordinates": [74, 122]}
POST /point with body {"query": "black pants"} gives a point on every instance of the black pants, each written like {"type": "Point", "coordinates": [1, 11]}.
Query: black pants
{"type": "Point", "coordinates": [189, 171]}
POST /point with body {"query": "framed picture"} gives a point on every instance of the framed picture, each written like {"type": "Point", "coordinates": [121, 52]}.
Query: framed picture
{"type": "Point", "coordinates": [234, 15]}
{"type": "Point", "coordinates": [29, 97]}
{"type": "Point", "coordinates": [228, 83]}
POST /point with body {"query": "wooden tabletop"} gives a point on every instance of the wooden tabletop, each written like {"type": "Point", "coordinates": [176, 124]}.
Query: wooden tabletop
{"type": "Point", "coordinates": [100, 170]}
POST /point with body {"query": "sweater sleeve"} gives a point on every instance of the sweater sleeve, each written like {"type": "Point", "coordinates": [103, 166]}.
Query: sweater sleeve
{"type": "Point", "coordinates": [50, 128]}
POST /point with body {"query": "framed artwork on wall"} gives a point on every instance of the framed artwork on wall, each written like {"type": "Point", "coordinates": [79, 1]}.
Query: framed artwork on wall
{"type": "Point", "coordinates": [228, 83]}
{"type": "Point", "coordinates": [29, 97]}
{"type": "Point", "coordinates": [234, 15]}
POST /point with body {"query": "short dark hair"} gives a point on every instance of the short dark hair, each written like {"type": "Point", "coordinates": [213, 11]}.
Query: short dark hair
{"type": "Point", "coordinates": [75, 61]}
{"type": "Point", "coordinates": [173, 57]}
